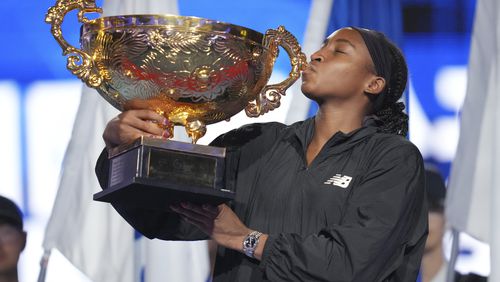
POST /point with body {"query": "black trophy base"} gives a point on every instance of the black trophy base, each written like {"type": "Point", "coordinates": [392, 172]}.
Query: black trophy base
{"type": "Point", "coordinates": [158, 195]}
{"type": "Point", "coordinates": [153, 174]}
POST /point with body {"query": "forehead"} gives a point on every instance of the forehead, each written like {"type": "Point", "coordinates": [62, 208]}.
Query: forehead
{"type": "Point", "coordinates": [346, 34]}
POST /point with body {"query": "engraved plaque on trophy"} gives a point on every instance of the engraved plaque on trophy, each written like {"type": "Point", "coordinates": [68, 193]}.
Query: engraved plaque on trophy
{"type": "Point", "coordinates": [191, 70]}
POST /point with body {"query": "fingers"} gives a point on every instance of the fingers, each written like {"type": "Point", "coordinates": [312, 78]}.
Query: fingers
{"type": "Point", "coordinates": [212, 210]}
{"type": "Point", "coordinates": [203, 213]}
{"type": "Point", "coordinates": [116, 135]}
{"type": "Point", "coordinates": [146, 115]}
{"type": "Point", "coordinates": [132, 124]}
{"type": "Point", "coordinates": [196, 211]}
{"type": "Point", "coordinates": [200, 224]}
{"type": "Point", "coordinates": [143, 120]}
{"type": "Point", "coordinates": [196, 215]}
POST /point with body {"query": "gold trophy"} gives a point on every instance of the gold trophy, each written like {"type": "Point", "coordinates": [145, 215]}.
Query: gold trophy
{"type": "Point", "coordinates": [193, 71]}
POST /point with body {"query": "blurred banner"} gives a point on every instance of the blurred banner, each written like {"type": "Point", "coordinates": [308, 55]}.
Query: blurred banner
{"type": "Point", "coordinates": [472, 204]}
{"type": "Point", "coordinates": [384, 16]}
{"type": "Point", "coordinates": [91, 234]}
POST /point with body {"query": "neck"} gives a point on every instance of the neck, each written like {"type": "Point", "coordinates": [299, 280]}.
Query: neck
{"type": "Point", "coordinates": [10, 276]}
{"type": "Point", "coordinates": [329, 120]}
{"type": "Point", "coordinates": [432, 261]}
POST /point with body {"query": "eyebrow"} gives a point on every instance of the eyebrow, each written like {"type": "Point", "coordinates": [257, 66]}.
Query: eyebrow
{"type": "Point", "coordinates": [341, 40]}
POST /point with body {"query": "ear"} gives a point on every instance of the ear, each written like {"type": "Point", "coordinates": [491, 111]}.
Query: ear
{"type": "Point", "coordinates": [375, 85]}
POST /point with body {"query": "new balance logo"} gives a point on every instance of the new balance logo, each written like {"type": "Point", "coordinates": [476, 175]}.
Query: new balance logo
{"type": "Point", "coordinates": [338, 180]}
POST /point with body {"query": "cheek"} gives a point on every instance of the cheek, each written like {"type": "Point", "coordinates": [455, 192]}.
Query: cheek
{"type": "Point", "coordinates": [13, 249]}
{"type": "Point", "coordinates": [9, 257]}
{"type": "Point", "coordinates": [354, 75]}
{"type": "Point", "coordinates": [345, 76]}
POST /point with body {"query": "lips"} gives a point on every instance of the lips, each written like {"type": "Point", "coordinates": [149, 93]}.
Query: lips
{"type": "Point", "coordinates": [304, 75]}
{"type": "Point", "coordinates": [308, 71]}
{"type": "Point", "coordinates": [310, 67]}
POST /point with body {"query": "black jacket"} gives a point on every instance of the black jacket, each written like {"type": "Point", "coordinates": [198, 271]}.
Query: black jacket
{"type": "Point", "coordinates": [356, 213]}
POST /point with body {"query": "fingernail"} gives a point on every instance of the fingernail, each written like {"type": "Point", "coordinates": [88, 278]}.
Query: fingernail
{"type": "Point", "coordinates": [165, 121]}
{"type": "Point", "coordinates": [165, 134]}
{"type": "Point", "coordinates": [185, 204]}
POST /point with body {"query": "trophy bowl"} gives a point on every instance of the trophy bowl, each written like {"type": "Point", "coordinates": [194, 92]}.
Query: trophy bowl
{"type": "Point", "coordinates": [194, 71]}
{"type": "Point", "coordinates": [191, 70]}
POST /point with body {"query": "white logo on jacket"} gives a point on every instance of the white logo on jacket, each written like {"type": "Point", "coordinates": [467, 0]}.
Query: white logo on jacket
{"type": "Point", "coordinates": [339, 180]}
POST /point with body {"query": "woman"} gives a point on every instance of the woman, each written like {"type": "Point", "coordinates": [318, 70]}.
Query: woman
{"type": "Point", "coordinates": [338, 197]}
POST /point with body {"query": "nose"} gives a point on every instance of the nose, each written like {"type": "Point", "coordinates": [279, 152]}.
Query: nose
{"type": "Point", "coordinates": [316, 56]}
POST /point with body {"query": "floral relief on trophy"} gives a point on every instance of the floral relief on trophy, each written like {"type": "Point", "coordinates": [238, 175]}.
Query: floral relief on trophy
{"type": "Point", "coordinates": [193, 71]}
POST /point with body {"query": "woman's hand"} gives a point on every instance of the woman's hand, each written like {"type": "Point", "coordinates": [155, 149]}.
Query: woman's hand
{"type": "Point", "coordinates": [220, 223]}
{"type": "Point", "coordinates": [131, 124]}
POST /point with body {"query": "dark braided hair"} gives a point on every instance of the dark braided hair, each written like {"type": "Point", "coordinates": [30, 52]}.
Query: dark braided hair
{"type": "Point", "coordinates": [390, 64]}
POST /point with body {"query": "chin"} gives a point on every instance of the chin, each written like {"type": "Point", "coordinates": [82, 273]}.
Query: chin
{"type": "Point", "coordinates": [309, 93]}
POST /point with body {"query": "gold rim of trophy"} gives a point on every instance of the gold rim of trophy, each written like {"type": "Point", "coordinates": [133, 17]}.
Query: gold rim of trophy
{"type": "Point", "coordinates": [172, 22]}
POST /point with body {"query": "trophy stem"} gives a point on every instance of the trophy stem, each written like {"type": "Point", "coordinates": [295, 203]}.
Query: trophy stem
{"type": "Point", "coordinates": [195, 130]}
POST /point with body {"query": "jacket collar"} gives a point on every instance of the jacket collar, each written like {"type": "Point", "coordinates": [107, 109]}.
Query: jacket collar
{"type": "Point", "coordinates": [340, 141]}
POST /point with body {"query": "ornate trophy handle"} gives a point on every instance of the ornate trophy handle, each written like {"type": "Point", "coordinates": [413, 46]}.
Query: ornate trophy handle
{"type": "Point", "coordinates": [269, 98]}
{"type": "Point", "coordinates": [78, 62]}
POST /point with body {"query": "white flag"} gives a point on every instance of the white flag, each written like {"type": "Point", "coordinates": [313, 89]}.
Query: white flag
{"type": "Point", "coordinates": [85, 231]}
{"type": "Point", "coordinates": [473, 200]}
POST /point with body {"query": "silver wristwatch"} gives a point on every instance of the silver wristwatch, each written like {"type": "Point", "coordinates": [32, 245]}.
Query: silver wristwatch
{"type": "Point", "coordinates": [250, 243]}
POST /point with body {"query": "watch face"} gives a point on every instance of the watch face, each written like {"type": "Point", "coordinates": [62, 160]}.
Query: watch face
{"type": "Point", "coordinates": [250, 241]}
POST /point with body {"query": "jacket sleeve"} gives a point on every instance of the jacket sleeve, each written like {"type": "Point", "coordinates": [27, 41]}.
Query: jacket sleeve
{"type": "Point", "coordinates": [152, 224]}
{"type": "Point", "coordinates": [384, 222]}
